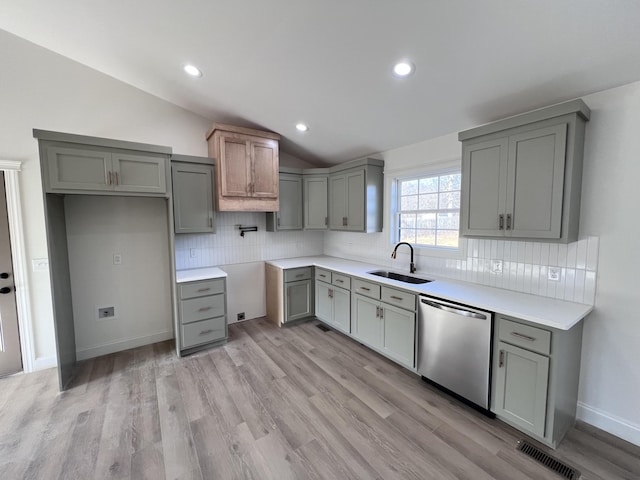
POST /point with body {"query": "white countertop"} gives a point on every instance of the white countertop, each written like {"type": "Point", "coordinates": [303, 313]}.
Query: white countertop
{"type": "Point", "coordinates": [195, 274]}
{"type": "Point", "coordinates": [541, 310]}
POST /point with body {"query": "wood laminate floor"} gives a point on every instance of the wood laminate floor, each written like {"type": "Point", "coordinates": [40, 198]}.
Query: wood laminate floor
{"type": "Point", "coordinates": [291, 403]}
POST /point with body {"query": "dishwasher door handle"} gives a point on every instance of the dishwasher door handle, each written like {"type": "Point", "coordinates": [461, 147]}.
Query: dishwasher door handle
{"type": "Point", "coordinates": [457, 311]}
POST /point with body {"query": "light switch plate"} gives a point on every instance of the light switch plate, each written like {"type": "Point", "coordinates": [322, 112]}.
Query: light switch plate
{"type": "Point", "coordinates": [117, 259]}
{"type": "Point", "coordinates": [553, 273]}
{"type": "Point", "coordinates": [496, 266]}
{"type": "Point", "coordinates": [40, 264]}
{"type": "Point", "coordinates": [193, 252]}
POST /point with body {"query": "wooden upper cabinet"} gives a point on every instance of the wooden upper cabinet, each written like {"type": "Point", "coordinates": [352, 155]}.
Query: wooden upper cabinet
{"type": "Point", "coordinates": [247, 168]}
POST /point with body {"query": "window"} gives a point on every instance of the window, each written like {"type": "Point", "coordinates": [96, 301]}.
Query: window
{"type": "Point", "coordinates": [428, 209]}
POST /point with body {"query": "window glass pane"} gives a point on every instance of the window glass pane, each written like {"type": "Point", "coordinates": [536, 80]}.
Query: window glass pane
{"type": "Point", "coordinates": [426, 237]}
{"type": "Point", "coordinates": [447, 238]}
{"type": "Point", "coordinates": [429, 185]}
{"type": "Point", "coordinates": [426, 220]}
{"type": "Point", "coordinates": [449, 200]}
{"type": "Point", "coordinates": [409, 202]}
{"type": "Point", "coordinates": [408, 235]}
{"type": "Point", "coordinates": [447, 220]}
{"type": "Point", "coordinates": [428, 202]}
{"type": "Point", "coordinates": [409, 187]}
{"type": "Point", "coordinates": [449, 183]}
{"type": "Point", "coordinates": [408, 220]}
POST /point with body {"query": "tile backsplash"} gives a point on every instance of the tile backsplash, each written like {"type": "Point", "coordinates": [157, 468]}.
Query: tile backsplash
{"type": "Point", "coordinates": [525, 265]}
{"type": "Point", "coordinates": [226, 246]}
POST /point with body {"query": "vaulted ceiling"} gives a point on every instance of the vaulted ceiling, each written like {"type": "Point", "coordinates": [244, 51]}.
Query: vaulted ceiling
{"type": "Point", "coordinates": [273, 63]}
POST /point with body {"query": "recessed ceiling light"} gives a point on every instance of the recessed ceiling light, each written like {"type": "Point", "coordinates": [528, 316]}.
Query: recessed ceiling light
{"type": "Point", "coordinates": [404, 68]}
{"type": "Point", "coordinates": [192, 70]}
{"type": "Point", "coordinates": [301, 127]}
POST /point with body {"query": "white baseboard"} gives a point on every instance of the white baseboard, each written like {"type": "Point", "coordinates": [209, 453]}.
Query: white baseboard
{"type": "Point", "coordinates": [45, 362]}
{"type": "Point", "coordinates": [609, 423]}
{"type": "Point", "coordinates": [108, 348]}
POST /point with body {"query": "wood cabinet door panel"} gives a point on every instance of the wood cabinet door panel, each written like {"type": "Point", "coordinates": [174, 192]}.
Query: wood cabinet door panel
{"type": "Point", "coordinates": [264, 160]}
{"type": "Point", "coordinates": [76, 169]}
{"type": "Point", "coordinates": [235, 174]}
{"type": "Point", "coordinates": [138, 173]}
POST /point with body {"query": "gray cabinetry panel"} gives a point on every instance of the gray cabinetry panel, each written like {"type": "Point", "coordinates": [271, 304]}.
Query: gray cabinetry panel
{"type": "Point", "coordinates": [399, 334]}
{"type": "Point", "coordinates": [199, 308]}
{"type": "Point", "coordinates": [193, 198]}
{"type": "Point", "coordinates": [78, 169]}
{"type": "Point", "coordinates": [139, 173]}
{"type": "Point", "coordinates": [289, 217]}
{"type": "Point", "coordinates": [324, 302]}
{"type": "Point", "coordinates": [342, 309]}
{"type": "Point", "coordinates": [202, 312]}
{"type": "Point", "coordinates": [316, 197]}
{"type": "Point", "coordinates": [299, 300]}
{"type": "Point", "coordinates": [203, 332]}
{"type": "Point", "coordinates": [367, 325]}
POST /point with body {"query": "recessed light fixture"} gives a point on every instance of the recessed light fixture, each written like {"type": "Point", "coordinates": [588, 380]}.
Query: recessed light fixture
{"type": "Point", "coordinates": [192, 70]}
{"type": "Point", "coordinates": [302, 127]}
{"type": "Point", "coordinates": [404, 68]}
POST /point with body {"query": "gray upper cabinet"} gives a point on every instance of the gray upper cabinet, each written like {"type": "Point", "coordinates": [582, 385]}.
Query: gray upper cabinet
{"type": "Point", "coordinates": [193, 194]}
{"type": "Point", "coordinates": [290, 215]}
{"type": "Point", "coordinates": [78, 169]}
{"type": "Point", "coordinates": [521, 177]}
{"type": "Point", "coordinates": [355, 197]}
{"type": "Point", "coordinates": [316, 215]}
{"type": "Point", "coordinates": [138, 173]}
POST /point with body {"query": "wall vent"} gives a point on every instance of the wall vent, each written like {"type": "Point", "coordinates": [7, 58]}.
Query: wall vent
{"type": "Point", "coordinates": [322, 327]}
{"type": "Point", "coordinates": [548, 461]}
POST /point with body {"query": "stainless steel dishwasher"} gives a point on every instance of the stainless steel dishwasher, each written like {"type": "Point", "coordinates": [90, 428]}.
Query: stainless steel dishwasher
{"type": "Point", "coordinates": [454, 348]}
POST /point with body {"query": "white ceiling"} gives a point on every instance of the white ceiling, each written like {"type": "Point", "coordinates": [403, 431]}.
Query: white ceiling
{"type": "Point", "coordinates": [273, 63]}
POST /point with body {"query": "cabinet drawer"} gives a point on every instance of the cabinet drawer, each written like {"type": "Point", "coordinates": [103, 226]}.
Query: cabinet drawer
{"type": "Point", "coordinates": [199, 308]}
{"type": "Point", "coordinates": [204, 332]}
{"type": "Point", "coordinates": [525, 336]}
{"type": "Point", "coordinates": [399, 298]}
{"type": "Point", "coordinates": [323, 275]}
{"type": "Point", "coordinates": [295, 274]}
{"type": "Point", "coordinates": [365, 288]}
{"type": "Point", "coordinates": [340, 280]}
{"type": "Point", "coordinates": [200, 289]}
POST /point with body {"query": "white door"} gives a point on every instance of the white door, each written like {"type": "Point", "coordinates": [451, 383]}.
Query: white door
{"type": "Point", "coordinates": [10, 357]}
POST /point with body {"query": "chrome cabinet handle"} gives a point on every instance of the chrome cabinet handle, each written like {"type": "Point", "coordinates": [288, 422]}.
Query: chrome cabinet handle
{"type": "Point", "coordinates": [300, 275]}
{"type": "Point", "coordinates": [508, 221]}
{"type": "Point", "coordinates": [326, 220]}
{"type": "Point", "coordinates": [330, 293]}
{"type": "Point", "coordinates": [210, 221]}
{"type": "Point", "coordinates": [523, 336]}
{"type": "Point", "coordinates": [381, 312]}
{"type": "Point", "coordinates": [339, 281]}
{"type": "Point", "coordinates": [117, 178]}
{"type": "Point", "coordinates": [396, 298]}
{"type": "Point", "coordinates": [204, 309]}
{"type": "Point", "coordinates": [344, 221]}
{"type": "Point", "coordinates": [365, 289]}
{"type": "Point", "coordinates": [204, 289]}
{"type": "Point", "coordinates": [206, 332]}
{"type": "Point", "coordinates": [501, 222]}
{"type": "Point", "coordinates": [108, 178]}
{"type": "Point", "coordinates": [377, 312]}
{"type": "Point", "coordinates": [322, 275]}
{"type": "Point", "coordinates": [501, 360]}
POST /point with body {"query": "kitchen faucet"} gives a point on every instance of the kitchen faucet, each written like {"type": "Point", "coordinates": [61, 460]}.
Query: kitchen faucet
{"type": "Point", "coordinates": [412, 266]}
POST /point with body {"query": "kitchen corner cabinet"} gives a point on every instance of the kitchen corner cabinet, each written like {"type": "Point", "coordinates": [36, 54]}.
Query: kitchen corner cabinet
{"type": "Point", "coordinates": [289, 217]}
{"type": "Point", "coordinates": [202, 312]}
{"type": "Point", "coordinates": [247, 162]}
{"type": "Point", "coordinates": [535, 380]}
{"type": "Point", "coordinates": [333, 299]}
{"type": "Point", "coordinates": [82, 168]}
{"type": "Point", "coordinates": [316, 197]}
{"type": "Point", "coordinates": [521, 177]}
{"type": "Point", "coordinates": [193, 191]}
{"type": "Point", "coordinates": [355, 197]}
{"type": "Point", "coordinates": [289, 293]}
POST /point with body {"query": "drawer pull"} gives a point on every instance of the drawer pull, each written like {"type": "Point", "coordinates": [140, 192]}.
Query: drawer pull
{"type": "Point", "coordinates": [524, 337]}
{"type": "Point", "coordinates": [322, 275]}
{"type": "Point", "coordinates": [501, 360]}
{"type": "Point", "coordinates": [200, 290]}
{"type": "Point", "coordinates": [204, 309]}
{"type": "Point", "coordinates": [300, 275]}
{"type": "Point", "coordinates": [206, 332]}
{"type": "Point", "coordinates": [396, 298]}
{"type": "Point", "coordinates": [339, 281]}
{"type": "Point", "coordinates": [365, 289]}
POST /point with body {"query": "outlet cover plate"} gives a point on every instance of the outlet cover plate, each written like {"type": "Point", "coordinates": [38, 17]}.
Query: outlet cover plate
{"type": "Point", "coordinates": [106, 312]}
{"type": "Point", "coordinates": [496, 266]}
{"type": "Point", "coordinates": [554, 273]}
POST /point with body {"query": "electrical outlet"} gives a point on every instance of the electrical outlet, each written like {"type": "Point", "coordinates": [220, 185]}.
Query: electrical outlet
{"type": "Point", "coordinates": [553, 273]}
{"type": "Point", "coordinates": [496, 266]}
{"type": "Point", "coordinates": [241, 316]}
{"type": "Point", "coordinates": [106, 312]}
{"type": "Point", "coordinates": [117, 259]}
{"type": "Point", "coordinates": [193, 252]}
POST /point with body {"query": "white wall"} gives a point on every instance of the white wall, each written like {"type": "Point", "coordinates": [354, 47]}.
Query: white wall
{"type": "Point", "coordinates": [40, 89]}
{"type": "Point", "coordinates": [139, 288]}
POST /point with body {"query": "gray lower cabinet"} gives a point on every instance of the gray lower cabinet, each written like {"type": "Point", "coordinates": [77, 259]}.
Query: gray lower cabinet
{"type": "Point", "coordinates": [202, 312]}
{"type": "Point", "coordinates": [193, 194]}
{"type": "Point", "coordinates": [289, 217]}
{"type": "Point", "coordinates": [315, 188]}
{"type": "Point", "coordinates": [101, 170]}
{"type": "Point", "coordinates": [521, 177]}
{"type": "Point", "coordinates": [333, 302]}
{"type": "Point", "coordinates": [535, 377]}
{"type": "Point", "coordinates": [298, 294]}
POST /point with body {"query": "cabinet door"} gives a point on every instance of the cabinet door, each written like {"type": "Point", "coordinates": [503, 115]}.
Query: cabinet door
{"type": "Point", "coordinates": [324, 302]}
{"type": "Point", "coordinates": [521, 387]}
{"type": "Point", "coordinates": [367, 325]}
{"type": "Point", "coordinates": [235, 164]}
{"type": "Point", "coordinates": [355, 201]}
{"type": "Point", "coordinates": [315, 203]}
{"type": "Point", "coordinates": [264, 168]}
{"type": "Point", "coordinates": [484, 177]}
{"type": "Point", "coordinates": [76, 169]}
{"type": "Point", "coordinates": [338, 202]}
{"type": "Point", "coordinates": [399, 334]}
{"type": "Point", "coordinates": [290, 215]}
{"type": "Point", "coordinates": [137, 173]}
{"type": "Point", "coordinates": [298, 300]}
{"type": "Point", "coordinates": [535, 183]}
{"type": "Point", "coordinates": [193, 198]}
{"type": "Point", "coordinates": [342, 309]}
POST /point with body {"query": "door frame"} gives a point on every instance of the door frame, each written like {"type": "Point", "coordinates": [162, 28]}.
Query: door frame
{"type": "Point", "coordinates": [11, 169]}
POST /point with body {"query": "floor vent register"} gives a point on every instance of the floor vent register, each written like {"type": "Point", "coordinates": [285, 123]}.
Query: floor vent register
{"type": "Point", "coordinates": [548, 461]}
{"type": "Point", "coordinates": [322, 327]}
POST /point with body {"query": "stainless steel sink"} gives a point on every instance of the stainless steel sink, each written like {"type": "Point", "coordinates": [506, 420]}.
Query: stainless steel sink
{"type": "Point", "coordinates": [398, 276]}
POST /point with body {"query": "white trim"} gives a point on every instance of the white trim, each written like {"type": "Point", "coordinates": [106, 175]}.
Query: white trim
{"type": "Point", "coordinates": [609, 423]}
{"type": "Point", "coordinates": [19, 259]}
{"type": "Point", "coordinates": [45, 362]}
{"type": "Point", "coordinates": [107, 348]}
